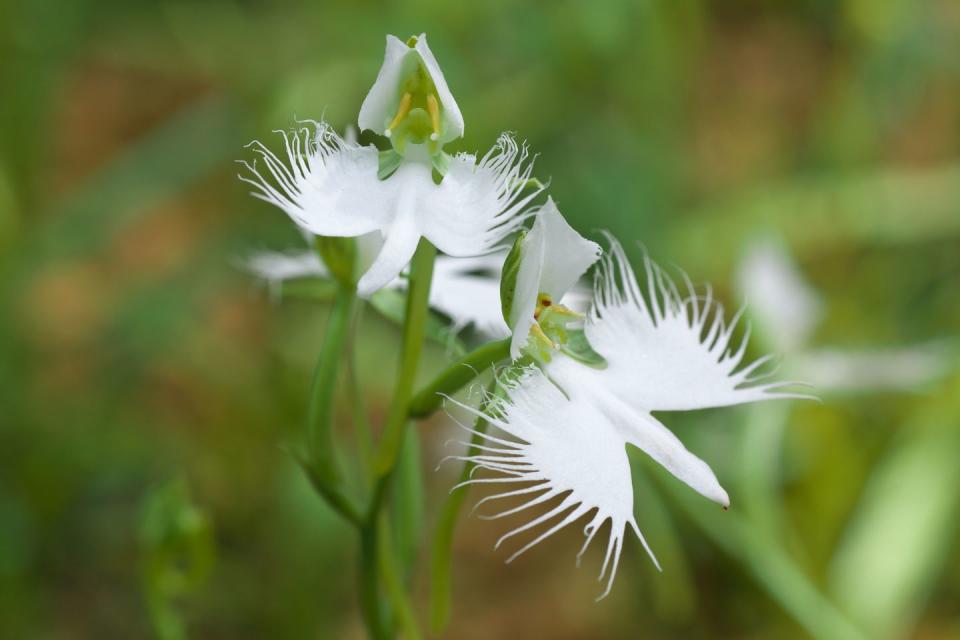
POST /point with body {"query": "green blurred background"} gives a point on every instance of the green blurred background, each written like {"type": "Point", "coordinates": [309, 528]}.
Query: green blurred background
{"type": "Point", "coordinates": [136, 353]}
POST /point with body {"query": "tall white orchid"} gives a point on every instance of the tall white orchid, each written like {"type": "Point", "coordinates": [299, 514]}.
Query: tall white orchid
{"type": "Point", "coordinates": [569, 422]}
{"type": "Point", "coordinates": [332, 187]}
{"type": "Point", "coordinates": [579, 388]}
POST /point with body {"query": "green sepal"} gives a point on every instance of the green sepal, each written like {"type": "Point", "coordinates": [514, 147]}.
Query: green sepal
{"type": "Point", "coordinates": [340, 256]}
{"type": "Point", "coordinates": [508, 277]}
{"type": "Point", "coordinates": [441, 162]}
{"type": "Point", "coordinates": [577, 347]}
{"type": "Point", "coordinates": [389, 159]}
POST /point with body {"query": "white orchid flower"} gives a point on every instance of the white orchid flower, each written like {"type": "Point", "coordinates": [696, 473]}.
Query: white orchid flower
{"type": "Point", "coordinates": [466, 290]}
{"type": "Point", "coordinates": [552, 258]}
{"type": "Point", "coordinates": [568, 423]}
{"type": "Point", "coordinates": [410, 81]}
{"type": "Point", "coordinates": [332, 187]}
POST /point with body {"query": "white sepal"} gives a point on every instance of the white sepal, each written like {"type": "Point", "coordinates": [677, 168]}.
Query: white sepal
{"type": "Point", "coordinates": [552, 259]}
{"type": "Point", "coordinates": [383, 100]}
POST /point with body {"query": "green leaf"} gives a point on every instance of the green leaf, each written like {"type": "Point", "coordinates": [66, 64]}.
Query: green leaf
{"type": "Point", "coordinates": [508, 277]}
{"type": "Point", "coordinates": [390, 303]}
{"type": "Point", "coordinates": [310, 289]}
{"type": "Point", "coordinates": [902, 531]}
{"type": "Point", "coordinates": [765, 559]}
{"type": "Point", "coordinates": [177, 550]}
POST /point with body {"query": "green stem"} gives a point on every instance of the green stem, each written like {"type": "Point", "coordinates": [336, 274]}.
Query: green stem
{"type": "Point", "coordinates": [440, 559]}
{"type": "Point", "coordinates": [456, 376]}
{"type": "Point", "coordinates": [415, 318]}
{"type": "Point", "coordinates": [371, 603]}
{"type": "Point", "coordinates": [361, 421]}
{"type": "Point", "coordinates": [322, 464]}
{"type": "Point", "coordinates": [394, 582]}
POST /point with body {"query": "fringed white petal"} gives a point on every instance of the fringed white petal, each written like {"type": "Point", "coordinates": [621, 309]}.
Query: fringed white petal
{"type": "Point", "coordinates": [639, 428]}
{"type": "Point", "coordinates": [574, 458]}
{"type": "Point", "coordinates": [666, 352]}
{"type": "Point", "coordinates": [326, 185]}
{"type": "Point", "coordinates": [478, 203]}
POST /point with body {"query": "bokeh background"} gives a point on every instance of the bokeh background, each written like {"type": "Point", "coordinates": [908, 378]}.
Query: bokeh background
{"type": "Point", "coordinates": [143, 370]}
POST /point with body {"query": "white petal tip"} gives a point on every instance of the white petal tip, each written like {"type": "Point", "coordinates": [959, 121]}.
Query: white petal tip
{"type": "Point", "coordinates": [722, 499]}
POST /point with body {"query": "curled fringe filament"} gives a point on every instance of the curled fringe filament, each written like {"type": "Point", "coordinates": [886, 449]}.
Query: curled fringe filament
{"type": "Point", "coordinates": [310, 149]}
{"type": "Point", "coordinates": [684, 337]}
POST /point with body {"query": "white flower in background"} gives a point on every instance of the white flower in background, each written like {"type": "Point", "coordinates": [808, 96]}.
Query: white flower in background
{"type": "Point", "coordinates": [787, 310]}
{"type": "Point", "coordinates": [568, 423]}
{"type": "Point", "coordinates": [552, 258]}
{"type": "Point", "coordinates": [785, 306]}
{"type": "Point", "coordinates": [333, 187]}
{"type": "Point", "coordinates": [467, 290]}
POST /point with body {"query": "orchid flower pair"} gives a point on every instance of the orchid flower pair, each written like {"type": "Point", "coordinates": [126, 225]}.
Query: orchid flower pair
{"type": "Point", "coordinates": [582, 386]}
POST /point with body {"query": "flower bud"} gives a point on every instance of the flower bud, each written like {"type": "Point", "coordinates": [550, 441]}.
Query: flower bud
{"type": "Point", "coordinates": [410, 101]}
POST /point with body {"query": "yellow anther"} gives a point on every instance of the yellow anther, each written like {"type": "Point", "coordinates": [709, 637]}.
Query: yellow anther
{"type": "Point", "coordinates": [402, 112]}
{"type": "Point", "coordinates": [434, 108]}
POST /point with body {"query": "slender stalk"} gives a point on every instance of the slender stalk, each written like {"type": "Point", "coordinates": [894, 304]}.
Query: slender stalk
{"type": "Point", "coordinates": [457, 375]}
{"type": "Point", "coordinates": [321, 463]}
{"type": "Point", "coordinates": [440, 589]}
{"type": "Point", "coordinates": [393, 581]}
{"type": "Point", "coordinates": [371, 601]}
{"type": "Point", "coordinates": [415, 317]}
{"type": "Point", "coordinates": [361, 421]}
